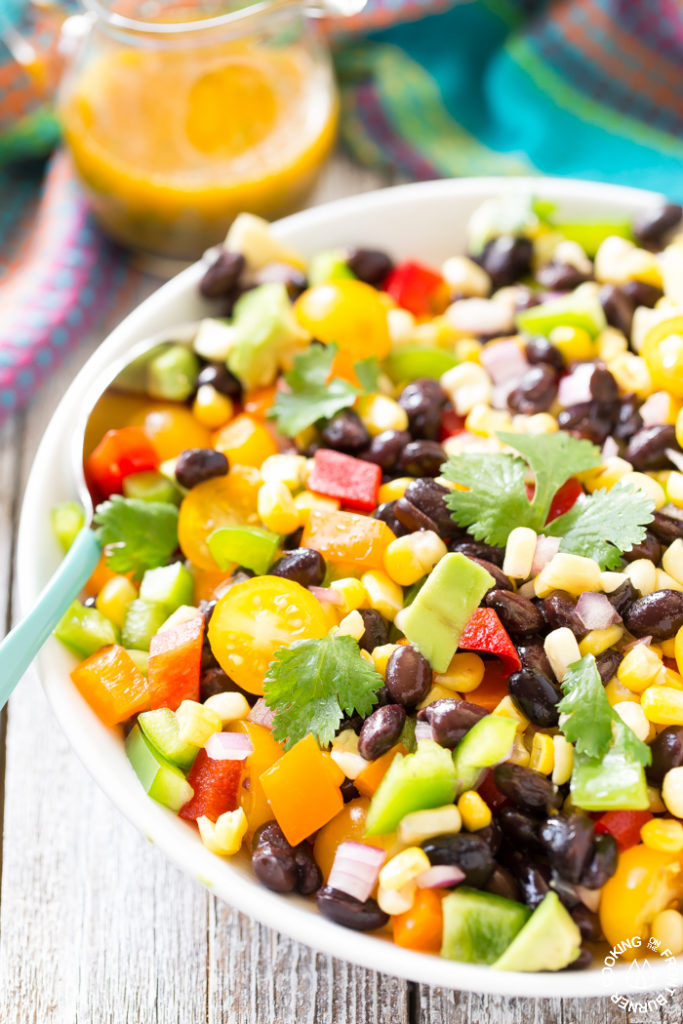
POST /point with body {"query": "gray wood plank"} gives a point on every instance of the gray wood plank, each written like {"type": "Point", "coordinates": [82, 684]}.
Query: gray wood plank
{"type": "Point", "coordinates": [446, 1007]}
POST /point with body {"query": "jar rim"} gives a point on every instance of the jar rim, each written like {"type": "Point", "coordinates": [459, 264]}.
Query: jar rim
{"type": "Point", "coordinates": [115, 20]}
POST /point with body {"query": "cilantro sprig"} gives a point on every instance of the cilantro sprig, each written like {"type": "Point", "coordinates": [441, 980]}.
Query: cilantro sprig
{"type": "Point", "coordinates": [312, 683]}
{"type": "Point", "coordinates": [136, 535]}
{"type": "Point", "coordinates": [312, 395]}
{"type": "Point", "coordinates": [600, 525]}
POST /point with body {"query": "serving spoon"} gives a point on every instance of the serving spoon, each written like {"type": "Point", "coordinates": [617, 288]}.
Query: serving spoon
{"type": "Point", "coordinates": [127, 375]}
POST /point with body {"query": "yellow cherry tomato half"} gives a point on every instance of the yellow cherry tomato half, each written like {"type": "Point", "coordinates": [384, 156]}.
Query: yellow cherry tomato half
{"type": "Point", "coordinates": [645, 882]}
{"type": "Point", "coordinates": [350, 313]}
{"type": "Point", "coordinates": [267, 751]}
{"type": "Point", "coordinates": [663, 352]}
{"type": "Point", "coordinates": [222, 501]}
{"type": "Point", "coordinates": [254, 619]}
{"type": "Point", "coordinates": [171, 428]}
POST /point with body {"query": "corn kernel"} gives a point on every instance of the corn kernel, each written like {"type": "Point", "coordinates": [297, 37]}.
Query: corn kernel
{"type": "Point", "coordinates": [539, 423]}
{"type": "Point", "coordinates": [672, 560]}
{"type": "Point", "coordinates": [572, 573]}
{"type": "Point", "coordinates": [519, 753]}
{"type": "Point", "coordinates": [611, 343]}
{"type": "Point", "coordinates": [351, 625]}
{"type": "Point", "coordinates": [679, 428]}
{"type": "Point", "coordinates": [663, 834]}
{"type": "Point", "coordinates": [507, 709]}
{"type": "Point", "coordinates": [385, 596]}
{"type": "Point", "coordinates": [404, 868]}
{"type": "Point", "coordinates": [667, 929]}
{"type": "Point", "coordinates": [467, 385]}
{"type": "Point", "coordinates": [574, 343]}
{"type": "Point", "coordinates": [485, 421]}
{"type": "Point", "coordinates": [196, 722]}
{"type": "Point", "coordinates": [642, 574]}
{"type": "Point", "coordinates": [672, 791]}
{"type": "Point", "coordinates": [276, 508]}
{"type": "Point", "coordinates": [631, 373]}
{"type": "Point", "coordinates": [607, 474]}
{"type": "Point", "coordinates": [114, 598]}
{"type": "Point", "coordinates": [230, 707]}
{"type": "Point", "coordinates": [562, 650]}
{"type": "Point", "coordinates": [634, 717]}
{"type": "Point", "coordinates": [542, 757]}
{"type": "Point", "coordinates": [616, 692]}
{"type": "Point", "coordinates": [674, 488]}
{"type": "Point", "coordinates": [465, 277]}
{"type": "Point", "coordinates": [344, 752]}
{"type": "Point", "coordinates": [436, 692]}
{"type": "Point", "coordinates": [351, 592]}
{"type": "Point", "coordinates": [401, 324]}
{"type": "Point", "coordinates": [253, 237]}
{"type": "Point", "coordinates": [396, 901]}
{"type": "Point", "coordinates": [663, 705]}
{"type": "Point", "coordinates": [225, 836]}
{"type": "Point", "coordinates": [379, 413]}
{"type": "Point", "coordinates": [638, 668]}
{"type": "Point", "coordinates": [474, 811]}
{"type": "Point", "coordinates": [610, 266]}
{"type": "Point", "coordinates": [407, 559]}
{"type": "Point", "coordinates": [599, 640]}
{"type": "Point", "coordinates": [306, 501]}
{"type": "Point", "coordinates": [563, 760]}
{"type": "Point", "coordinates": [678, 649]}
{"type": "Point", "coordinates": [611, 581]}
{"type": "Point", "coordinates": [665, 582]}
{"type": "Point", "coordinates": [211, 408]}
{"type": "Point", "coordinates": [654, 801]}
{"type": "Point", "coordinates": [519, 552]}
{"type": "Point", "coordinates": [467, 350]}
{"type": "Point", "coordinates": [464, 673]}
{"type": "Point", "coordinates": [392, 490]}
{"type": "Point", "coordinates": [291, 470]}
{"type": "Point", "coordinates": [668, 647]}
{"type": "Point", "coordinates": [649, 487]}
{"type": "Point", "coordinates": [381, 655]}
{"type": "Point", "coordinates": [414, 828]}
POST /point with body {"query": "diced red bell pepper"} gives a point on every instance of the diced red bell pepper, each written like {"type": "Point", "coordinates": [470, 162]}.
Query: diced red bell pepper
{"type": "Point", "coordinates": [119, 454]}
{"type": "Point", "coordinates": [175, 656]}
{"type": "Point", "coordinates": [216, 784]}
{"type": "Point", "coordinates": [352, 481]}
{"type": "Point", "coordinates": [485, 632]}
{"type": "Point", "coordinates": [565, 498]}
{"type": "Point", "coordinates": [624, 826]}
{"type": "Point", "coordinates": [417, 288]}
{"type": "Point", "coordinates": [451, 424]}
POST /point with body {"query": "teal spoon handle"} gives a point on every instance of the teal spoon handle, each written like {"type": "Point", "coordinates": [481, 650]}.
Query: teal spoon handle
{"type": "Point", "coordinates": [21, 645]}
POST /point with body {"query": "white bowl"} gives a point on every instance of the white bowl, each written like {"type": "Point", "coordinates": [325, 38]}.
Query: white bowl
{"type": "Point", "coordinates": [424, 220]}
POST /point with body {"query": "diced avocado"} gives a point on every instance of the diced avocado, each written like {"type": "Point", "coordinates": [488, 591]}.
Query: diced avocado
{"type": "Point", "coordinates": [591, 234]}
{"type": "Point", "coordinates": [67, 521]}
{"type": "Point", "coordinates": [163, 733]}
{"type": "Point", "coordinates": [250, 546]}
{"type": "Point", "coordinates": [414, 782]}
{"type": "Point", "coordinates": [615, 782]}
{"type": "Point", "coordinates": [548, 941]}
{"type": "Point", "coordinates": [171, 374]}
{"type": "Point", "coordinates": [573, 310]}
{"type": "Point", "coordinates": [163, 781]}
{"type": "Point", "coordinates": [150, 486]}
{"type": "Point", "coordinates": [170, 585]}
{"type": "Point", "coordinates": [329, 265]}
{"type": "Point", "coordinates": [479, 926]}
{"type": "Point", "coordinates": [487, 743]}
{"type": "Point", "coordinates": [142, 621]}
{"type": "Point", "coordinates": [265, 332]}
{"type": "Point", "coordinates": [419, 361]}
{"type": "Point", "coordinates": [85, 630]}
{"type": "Point", "coordinates": [435, 620]}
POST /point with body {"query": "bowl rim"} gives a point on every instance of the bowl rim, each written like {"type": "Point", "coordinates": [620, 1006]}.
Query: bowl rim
{"type": "Point", "coordinates": [178, 841]}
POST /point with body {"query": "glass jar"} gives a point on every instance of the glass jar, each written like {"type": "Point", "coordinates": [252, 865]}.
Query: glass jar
{"type": "Point", "coordinates": [180, 115]}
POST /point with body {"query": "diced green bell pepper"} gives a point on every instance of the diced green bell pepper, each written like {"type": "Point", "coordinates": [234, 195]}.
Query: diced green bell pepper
{"type": "Point", "coordinates": [163, 733]}
{"type": "Point", "coordinates": [150, 486]}
{"type": "Point", "coordinates": [85, 630]}
{"type": "Point", "coordinates": [614, 782]}
{"type": "Point", "coordinates": [250, 546]}
{"type": "Point", "coordinates": [142, 621]}
{"type": "Point", "coordinates": [67, 519]}
{"type": "Point", "coordinates": [549, 941]}
{"type": "Point", "coordinates": [413, 783]}
{"type": "Point", "coordinates": [570, 310]}
{"type": "Point", "coordinates": [170, 585]}
{"type": "Point", "coordinates": [487, 743]}
{"type": "Point", "coordinates": [419, 361]}
{"type": "Point", "coordinates": [163, 781]}
{"type": "Point", "coordinates": [171, 374]}
{"type": "Point", "coordinates": [479, 926]}
{"type": "Point", "coordinates": [327, 266]}
{"type": "Point", "coordinates": [591, 234]}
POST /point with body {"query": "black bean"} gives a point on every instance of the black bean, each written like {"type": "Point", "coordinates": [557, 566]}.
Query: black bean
{"type": "Point", "coordinates": [659, 615]}
{"type": "Point", "coordinates": [376, 630]}
{"type": "Point", "coordinates": [642, 294]}
{"type": "Point", "coordinates": [351, 913]}
{"type": "Point", "coordinates": [348, 791]}
{"type": "Point", "coordinates": [369, 265]}
{"type": "Point", "coordinates": [506, 259]}
{"type": "Point", "coordinates": [220, 378]}
{"type": "Point", "coordinates": [273, 860]}
{"type": "Point", "coordinates": [603, 386]}
{"type": "Point", "coordinates": [222, 276]}
{"type": "Point", "coordinates": [526, 788]}
{"type": "Point", "coordinates": [535, 392]}
{"type": "Point", "coordinates": [649, 548]}
{"type": "Point", "coordinates": [302, 565]}
{"type": "Point", "coordinates": [559, 610]}
{"type": "Point", "coordinates": [618, 308]}
{"type": "Point", "coordinates": [353, 722]}
{"type": "Point", "coordinates": [292, 278]}
{"type": "Point", "coordinates": [667, 753]}
{"type": "Point", "coordinates": [540, 351]}
{"type": "Point", "coordinates": [667, 528]}
{"type": "Point", "coordinates": [90, 602]}
{"type": "Point", "coordinates": [623, 596]}
{"type": "Point", "coordinates": [602, 863]}
{"type": "Point", "coordinates": [502, 582]}
{"type": "Point", "coordinates": [408, 676]}
{"type": "Point", "coordinates": [628, 421]}
{"type": "Point", "coordinates": [381, 731]}
{"type": "Point", "coordinates": [385, 449]}
{"type": "Point", "coordinates": [385, 512]}
{"type": "Point", "coordinates": [309, 874]}
{"type": "Point", "coordinates": [195, 465]}
{"type": "Point", "coordinates": [536, 696]}
{"type": "Point", "coordinates": [345, 432]}
{"type": "Point", "coordinates": [466, 851]}
{"type": "Point", "coordinates": [568, 843]}
{"type": "Point", "coordinates": [492, 836]}
{"type": "Point", "coordinates": [607, 664]}
{"type": "Point", "coordinates": [519, 828]}
{"type": "Point", "coordinates": [422, 458]}
{"type": "Point", "coordinates": [214, 680]}
{"type": "Point", "coordinates": [583, 961]}
{"type": "Point", "coordinates": [652, 226]}
{"type": "Point", "coordinates": [588, 923]}
{"type": "Point", "coordinates": [502, 883]}
{"type": "Point", "coordinates": [519, 615]}
{"type": "Point", "coordinates": [411, 517]}
{"type": "Point", "coordinates": [478, 549]}
{"type": "Point", "coordinates": [532, 655]}
{"type": "Point", "coordinates": [451, 719]}
{"type": "Point", "coordinates": [293, 540]}
{"type": "Point", "coordinates": [427, 495]}
{"type": "Point", "coordinates": [423, 400]}
{"type": "Point", "coordinates": [532, 879]}
{"type": "Point", "coordinates": [562, 277]}
{"type": "Point", "coordinates": [585, 420]}
{"type": "Point", "coordinates": [647, 448]}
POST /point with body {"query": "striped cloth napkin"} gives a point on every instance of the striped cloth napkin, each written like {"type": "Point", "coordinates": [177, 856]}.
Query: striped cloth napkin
{"type": "Point", "coordinates": [582, 88]}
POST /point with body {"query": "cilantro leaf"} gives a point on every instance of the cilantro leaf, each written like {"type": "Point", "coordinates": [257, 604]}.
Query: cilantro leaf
{"type": "Point", "coordinates": [310, 684]}
{"type": "Point", "coordinates": [603, 524]}
{"type": "Point", "coordinates": [367, 371]}
{"type": "Point", "coordinates": [496, 500]}
{"type": "Point", "coordinates": [136, 535]}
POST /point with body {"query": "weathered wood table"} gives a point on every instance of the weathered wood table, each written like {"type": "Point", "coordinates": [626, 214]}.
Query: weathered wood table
{"type": "Point", "coordinates": [96, 927]}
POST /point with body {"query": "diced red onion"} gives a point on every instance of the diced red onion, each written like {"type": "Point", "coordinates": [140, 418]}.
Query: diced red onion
{"type": "Point", "coordinates": [423, 731]}
{"type": "Point", "coordinates": [480, 317]}
{"type": "Point", "coordinates": [261, 714]}
{"type": "Point", "coordinates": [229, 746]}
{"type": "Point", "coordinates": [676, 458]}
{"type": "Point", "coordinates": [610, 449]}
{"type": "Point", "coordinates": [589, 897]}
{"type": "Point", "coordinates": [504, 361]}
{"type": "Point", "coordinates": [501, 393]}
{"type": "Point", "coordinates": [647, 640]}
{"type": "Point", "coordinates": [655, 409]}
{"type": "Point", "coordinates": [356, 868]}
{"type": "Point", "coordinates": [575, 387]}
{"type": "Point", "coordinates": [326, 594]}
{"type": "Point", "coordinates": [440, 876]}
{"type": "Point", "coordinates": [546, 548]}
{"type": "Point", "coordinates": [595, 611]}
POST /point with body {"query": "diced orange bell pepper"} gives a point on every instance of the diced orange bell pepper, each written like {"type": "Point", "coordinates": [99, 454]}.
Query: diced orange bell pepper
{"type": "Point", "coordinates": [245, 441]}
{"type": "Point", "coordinates": [258, 402]}
{"type": "Point", "coordinates": [345, 537]}
{"type": "Point", "coordinates": [369, 779]}
{"type": "Point", "coordinates": [112, 685]}
{"type": "Point", "coordinates": [301, 791]}
{"type": "Point", "coordinates": [421, 927]}
{"type": "Point", "coordinates": [175, 656]}
{"type": "Point", "coordinates": [343, 368]}
{"type": "Point", "coordinates": [102, 575]}
{"type": "Point", "coordinates": [266, 752]}
{"type": "Point", "coordinates": [206, 582]}
{"type": "Point", "coordinates": [492, 688]}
